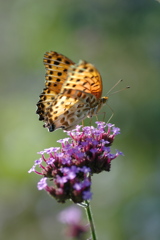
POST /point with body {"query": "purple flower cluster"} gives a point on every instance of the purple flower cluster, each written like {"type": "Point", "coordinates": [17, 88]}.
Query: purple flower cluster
{"type": "Point", "coordinates": [86, 151]}
{"type": "Point", "coordinates": [72, 217]}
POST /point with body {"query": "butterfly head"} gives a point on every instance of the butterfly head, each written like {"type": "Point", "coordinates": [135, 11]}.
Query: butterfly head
{"type": "Point", "coordinates": [104, 100]}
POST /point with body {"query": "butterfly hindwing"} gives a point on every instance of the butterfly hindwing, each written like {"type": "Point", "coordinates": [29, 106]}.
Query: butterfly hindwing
{"type": "Point", "coordinates": [68, 109]}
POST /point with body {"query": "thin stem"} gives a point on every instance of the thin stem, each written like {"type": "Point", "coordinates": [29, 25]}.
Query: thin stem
{"type": "Point", "coordinates": [90, 219]}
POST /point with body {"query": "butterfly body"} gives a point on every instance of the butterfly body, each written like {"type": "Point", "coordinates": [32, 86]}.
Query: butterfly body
{"type": "Point", "coordinates": [72, 92]}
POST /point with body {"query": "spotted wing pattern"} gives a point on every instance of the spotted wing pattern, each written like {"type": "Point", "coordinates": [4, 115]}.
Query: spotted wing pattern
{"type": "Point", "coordinates": [56, 66]}
{"type": "Point", "coordinates": [78, 96]}
{"type": "Point", "coordinates": [84, 77]}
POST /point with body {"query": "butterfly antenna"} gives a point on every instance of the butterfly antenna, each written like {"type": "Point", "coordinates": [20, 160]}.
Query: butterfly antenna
{"type": "Point", "coordinates": [118, 90]}
{"type": "Point", "coordinates": [114, 86]}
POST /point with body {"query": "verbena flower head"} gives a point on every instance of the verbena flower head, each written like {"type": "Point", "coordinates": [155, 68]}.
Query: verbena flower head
{"type": "Point", "coordinates": [69, 168]}
{"type": "Point", "coordinates": [72, 217]}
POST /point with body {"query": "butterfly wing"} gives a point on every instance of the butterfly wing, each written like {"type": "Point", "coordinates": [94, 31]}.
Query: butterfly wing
{"type": "Point", "coordinates": [68, 110]}
{"type": "Point", "coordinates": [56, 66]}
{"type": "Point", "coordinates": [84, 77]}
{"type": "Point", "coordinates": [79, 94]}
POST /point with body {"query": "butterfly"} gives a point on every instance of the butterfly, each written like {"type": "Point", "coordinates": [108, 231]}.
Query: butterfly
{"type": "Point", "coordinates": [72, 92]}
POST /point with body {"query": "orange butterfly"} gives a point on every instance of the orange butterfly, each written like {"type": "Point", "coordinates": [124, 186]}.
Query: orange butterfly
{"type": "Point", "coordinates": [72, 92]}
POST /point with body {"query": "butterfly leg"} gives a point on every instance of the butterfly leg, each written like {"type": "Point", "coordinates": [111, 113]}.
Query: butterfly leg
{"type": "Point", "coordinates": [111, 114]}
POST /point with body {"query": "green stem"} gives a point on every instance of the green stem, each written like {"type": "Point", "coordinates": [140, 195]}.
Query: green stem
{"type": "Point", "coordinates": [90, 219]}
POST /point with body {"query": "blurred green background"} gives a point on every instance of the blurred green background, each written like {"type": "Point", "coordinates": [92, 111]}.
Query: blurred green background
{"type": "Point", "coordinates": [122, 39]}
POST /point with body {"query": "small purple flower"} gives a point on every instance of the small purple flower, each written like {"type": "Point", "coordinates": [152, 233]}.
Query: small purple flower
{"type": "Point", "coordinates": [42, 184]}
{"type": "Point", "coordinates": [116, 130]}
{"type": "Point", "coordinates": [36, 162]}
{"type": "Point", "coordinates": [87, 195]}
{"type": "Point", "coordinates": [51, 150]}
{"type": "Point", "coordinates": [70, 173]}
{"type": "Point", "coordinates": [85, 152]}
{"type": "Point", "coordinates": [61, 180]}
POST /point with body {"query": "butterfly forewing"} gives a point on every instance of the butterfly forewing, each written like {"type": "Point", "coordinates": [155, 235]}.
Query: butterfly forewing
{"type": "Point", "coordinates": [84, 77]}
{"type": "Point", "coordinates": [57, 67]}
